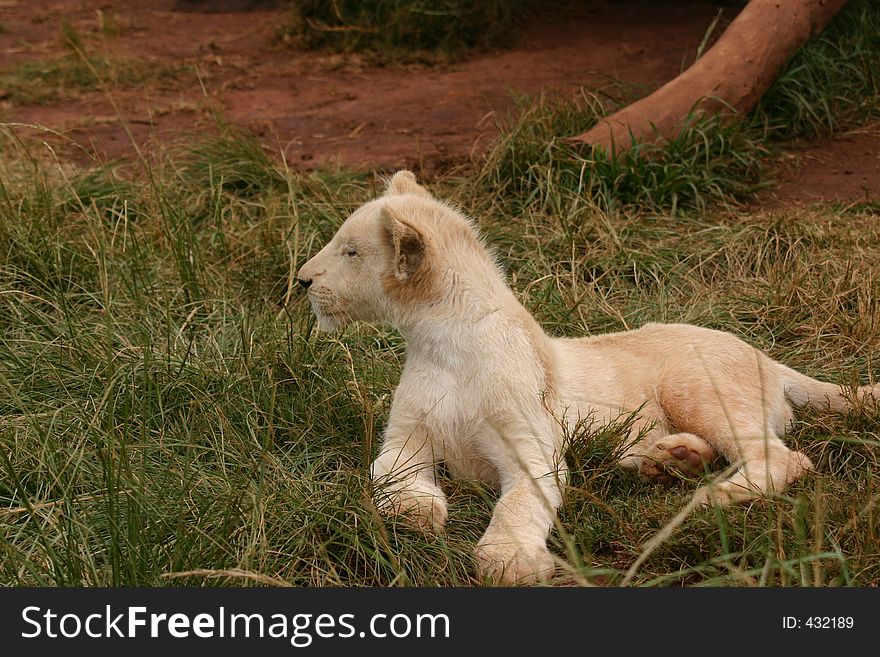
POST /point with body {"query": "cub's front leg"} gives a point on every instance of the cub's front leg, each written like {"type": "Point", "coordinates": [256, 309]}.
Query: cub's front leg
{"type": "Point", "coordinates": [405, 479]}
{"type": "Point", "coordinates": [513, 550]}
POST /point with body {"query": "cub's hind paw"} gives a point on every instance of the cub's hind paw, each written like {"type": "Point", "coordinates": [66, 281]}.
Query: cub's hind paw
{"type": "Point", "coordinates": [682, 452]}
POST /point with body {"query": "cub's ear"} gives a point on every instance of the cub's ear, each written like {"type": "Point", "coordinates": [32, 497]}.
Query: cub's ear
{"type": "Point", "coordinates": [404, 182]}
{"type": "Point", "coordinates": [407, 243]}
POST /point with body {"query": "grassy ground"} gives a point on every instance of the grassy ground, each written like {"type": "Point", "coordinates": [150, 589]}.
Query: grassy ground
{"type": "Point", "coordinates": [168, 415]}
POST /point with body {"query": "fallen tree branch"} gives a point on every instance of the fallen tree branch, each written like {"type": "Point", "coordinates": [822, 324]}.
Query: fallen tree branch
{"type": "Point", "coordinates": [728, 80]}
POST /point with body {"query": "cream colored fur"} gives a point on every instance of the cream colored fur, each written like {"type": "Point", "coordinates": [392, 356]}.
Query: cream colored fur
{"type": "Point", "coordinates": [486, 391]}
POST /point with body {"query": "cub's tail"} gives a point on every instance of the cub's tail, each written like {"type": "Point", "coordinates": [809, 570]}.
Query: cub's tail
{"type": "Point", "coordinates": [803, 390]}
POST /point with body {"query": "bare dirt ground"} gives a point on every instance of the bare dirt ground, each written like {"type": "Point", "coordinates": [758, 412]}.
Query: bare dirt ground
{"type": "Point", "coordinates": [844, 169]}
{"type": "Point", "coordinates": [326, 109]}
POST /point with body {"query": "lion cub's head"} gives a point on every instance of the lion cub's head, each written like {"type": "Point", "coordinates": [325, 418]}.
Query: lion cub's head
{"type": "Point", "coordinates": [385, 259]}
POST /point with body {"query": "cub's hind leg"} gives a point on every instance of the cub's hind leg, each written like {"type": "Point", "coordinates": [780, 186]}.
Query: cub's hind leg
{"type": "Point", "coordinates": [742, 417]}
{"type": "Point", "coordinates": [767, 466]}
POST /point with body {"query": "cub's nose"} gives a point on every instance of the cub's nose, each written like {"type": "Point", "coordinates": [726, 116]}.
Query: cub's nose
{"type": "Point", "coordinates": [304, 282]}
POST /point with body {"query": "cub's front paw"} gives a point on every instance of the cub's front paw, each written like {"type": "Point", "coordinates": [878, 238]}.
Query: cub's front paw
{"type": "Point", "coordinates": [508, 563]}
{"type": "Point", "coordinates": [425, 510]}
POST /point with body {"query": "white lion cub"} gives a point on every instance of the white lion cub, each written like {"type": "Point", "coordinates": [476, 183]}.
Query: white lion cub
{"type": "Point", "coordinates": [486, 391]}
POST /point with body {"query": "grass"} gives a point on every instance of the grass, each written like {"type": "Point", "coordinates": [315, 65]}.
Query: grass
{"type": "Point", "coordinates": [48, 81]}
{"type": "Point", "coordinates": [707, 163]}
{"type": "Point", "coordinates": [169, 415]}
{"type": "Point", "coordinates": [405, 30]}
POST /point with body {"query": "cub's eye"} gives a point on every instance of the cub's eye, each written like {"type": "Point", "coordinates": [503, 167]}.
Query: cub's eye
{"type": "Point", "coordinates": [351, 253]}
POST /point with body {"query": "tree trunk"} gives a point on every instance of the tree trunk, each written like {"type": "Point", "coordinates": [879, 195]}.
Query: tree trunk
{"type": "Point", "coordinates": [729, 78]}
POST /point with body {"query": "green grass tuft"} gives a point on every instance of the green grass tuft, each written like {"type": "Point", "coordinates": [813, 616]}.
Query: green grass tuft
{"type": "Point", "coordinates": [407, 30]}
{"type": "Point", "coordinates": [532, 162]}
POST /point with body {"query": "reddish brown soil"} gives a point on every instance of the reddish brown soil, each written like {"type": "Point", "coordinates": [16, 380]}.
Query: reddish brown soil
{"type": "Point", "coordinates": [845, 169]}
{"type": "Point", "coordinates": [324, 109]}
